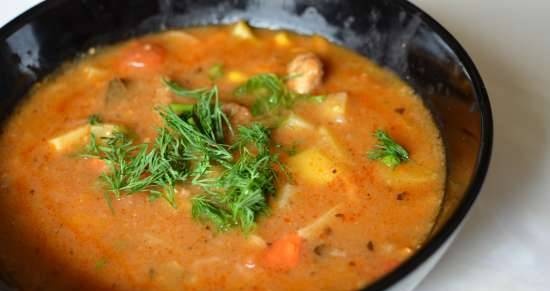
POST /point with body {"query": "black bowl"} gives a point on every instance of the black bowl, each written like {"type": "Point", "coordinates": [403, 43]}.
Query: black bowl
{"type": "Point", "coordinates": [395, 34]}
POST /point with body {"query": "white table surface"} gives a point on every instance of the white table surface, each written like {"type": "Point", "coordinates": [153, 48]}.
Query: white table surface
{"type": "Point", "coordinates": [505, 245]}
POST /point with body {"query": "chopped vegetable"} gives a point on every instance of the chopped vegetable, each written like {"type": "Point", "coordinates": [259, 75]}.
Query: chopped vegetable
{"type": "Point", "coordinates": [81, 135]}
{"type": "Point", "coordinates": [104, 130]}
{"type": "Point", "coordinates": [70, 139]}
{"type": "Point", "coordinates": [180, 91]}
{"type": "Point", "coordinates": [94, 119]}
{"type": "Point", "coordinates": [140, 58]}
{"type": "Point", "coordinates": [117, 90]}
{"type": "Point", "coordinates": [242, 30]}
{"type": "Point", "coordinates": [236, 77]}
{"type": "Point", "coordinates": [312, 166]}
{"type": "Point", "coordinates": [180, 109]}
{"type": "Point", "coordinates": [256, 241]}
{"type": "Point", "coordinates": [316, 227]}
{"type": "Point", "coordinates": [334, 107]}
{"type": "Point", "coordinates": [282, 39]}
{"type": "Point", "coordinates": [388, 151]}
{"type": "Point", "coordinates": [406, 174]}
{"type": "Point", "coordinates": [100, 264]}
{"type": "Point", "coordinates": [284, 253]}
{"type": "Point", "coordinates": [271, 94]}
{"type": "Point", "coordinates": [328, 141]}
{"type": "Point", "coordinates": [287, 191]}
{"type": "Point", "coordinates": [215, 72]}
{"type": "Point", "coordinates": [295, 122]}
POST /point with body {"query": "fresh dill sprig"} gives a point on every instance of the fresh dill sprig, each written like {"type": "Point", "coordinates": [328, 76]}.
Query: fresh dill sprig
{"type": "Point", "coordinates": [94, 119]}
{"type": "Point", "coordinates": [388, 151]}
{"type": "Point", "coordinates": [181, 91]}
{"type": "Point", "coordinates": [271, 94]}
{"type": "Point", "coordinates": [236, 180]}
{"type": "Point", "coordinates": [239, 195]}
{"type": "Point", "coordinates": [215, 72]}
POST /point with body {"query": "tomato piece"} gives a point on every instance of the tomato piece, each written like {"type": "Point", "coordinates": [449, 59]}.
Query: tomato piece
{"type": "Point", "coordinates": [141, 58]}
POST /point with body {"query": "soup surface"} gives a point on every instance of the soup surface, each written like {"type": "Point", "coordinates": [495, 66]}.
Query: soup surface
{"type": "Point", "coordinates": [343, 162]}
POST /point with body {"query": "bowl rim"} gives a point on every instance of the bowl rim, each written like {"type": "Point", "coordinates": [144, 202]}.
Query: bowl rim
{"type": "Point", "coordinates": [483, 155]}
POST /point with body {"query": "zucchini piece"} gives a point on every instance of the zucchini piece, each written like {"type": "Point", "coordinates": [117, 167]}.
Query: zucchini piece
{"type": "Point", "coordinates": [80, 136]}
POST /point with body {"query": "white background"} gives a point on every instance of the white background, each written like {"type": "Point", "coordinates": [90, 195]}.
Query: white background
{"type": "Point", "coordinates": [505, 245]}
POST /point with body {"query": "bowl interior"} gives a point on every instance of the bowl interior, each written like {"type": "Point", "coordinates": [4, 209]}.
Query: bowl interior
{"type": "Point", "coordinates": [394, 34]}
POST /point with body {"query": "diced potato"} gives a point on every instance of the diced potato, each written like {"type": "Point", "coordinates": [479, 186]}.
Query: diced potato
{"type": "Point", "coordinates": [242, 30]}
{"type": "Point", "coordinates": [282, 39]}
{"type": "Point", "coordinates": [105, 130]}
{"type": "Point", "coordinates": [256, 241]}
{"type": "Point", "coordinates": [312, 166]}
{"type": "Point", "coordinates": [407, 173]}
{"type": "Point", "coordinates": [295, 122]}
{"type": "Point", "coordinates": [236, 77]}
{"type": "Point", "coordinates": [334, 107]}
{"type": "Point", "coordinates": [71, 139]}
{"type": "Point", "coordinates": [80, 136]}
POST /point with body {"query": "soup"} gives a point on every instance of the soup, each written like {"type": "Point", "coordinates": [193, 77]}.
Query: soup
{"type": "Point", "coordinates": [217, 158]}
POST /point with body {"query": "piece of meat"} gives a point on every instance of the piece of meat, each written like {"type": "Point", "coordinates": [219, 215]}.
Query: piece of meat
{"type": "Point", "coordinates": [238, 115]}
{"type": "Point", "coordinates": [306, 73]}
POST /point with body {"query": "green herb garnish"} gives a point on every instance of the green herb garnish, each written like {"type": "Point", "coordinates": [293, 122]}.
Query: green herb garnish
{"type": "Point", "coordinates": [388, 151]}
{"type": "Point", "coordinates": [215, 72]}
{"type": "Point", "coordinates": [239, 194]}
{"type": "Point", "coordinates": [94, 119]}
{"type": "Point", "coordinates": [271, 94]}
{"type": "Point", "coordinates": [181, 109]}
{"type": "Point", "coordinates": [236, 180]}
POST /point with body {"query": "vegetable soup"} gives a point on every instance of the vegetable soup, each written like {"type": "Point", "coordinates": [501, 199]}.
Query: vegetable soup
{"type": "Point", "coordinates": [217, 158]}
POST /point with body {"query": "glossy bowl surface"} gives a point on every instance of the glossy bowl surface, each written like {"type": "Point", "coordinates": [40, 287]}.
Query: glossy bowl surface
{"type": "Point", "coordinates": [395, 34]}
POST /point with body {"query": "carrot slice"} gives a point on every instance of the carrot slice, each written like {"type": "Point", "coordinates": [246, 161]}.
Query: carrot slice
{"type": "Point", "coordinates": [284, 253]}
{"type": "Point", "coordinates": [141, 58]}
